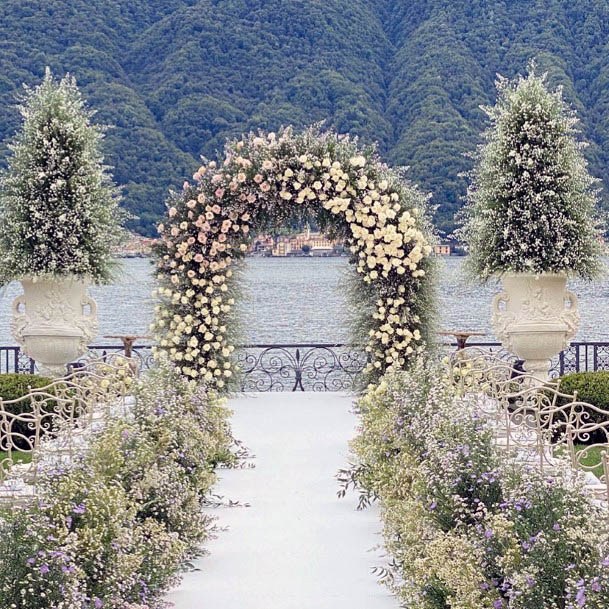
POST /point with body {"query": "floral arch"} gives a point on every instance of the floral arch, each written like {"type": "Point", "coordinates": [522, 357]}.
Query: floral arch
{"type": "Point", "coordinates": [264, 182]}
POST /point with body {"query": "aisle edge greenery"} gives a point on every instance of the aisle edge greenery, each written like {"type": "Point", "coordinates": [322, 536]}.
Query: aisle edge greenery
{"type": "Point", "coordinates": [465, 528]}
{"type": "Point", "coordinates": [263, 182]}
{"type": "Point", "coordinates": [113, 529]}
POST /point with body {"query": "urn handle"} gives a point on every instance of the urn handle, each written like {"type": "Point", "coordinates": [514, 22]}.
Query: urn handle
{"type": "Point", "coordinates": [572, 299]}
{"type": "Point", "coordinates": [20, 320]}
{"type": "Point", "coordinates": [570, 316]}
{"type": "Point", "coordinates": [89, 302]}
{"type": "Point", "coordinates": [18, 303]}
{"type": "Point", "coordinates": [500, 319]}
{"type": "Point", "coordinates": [498, 300]}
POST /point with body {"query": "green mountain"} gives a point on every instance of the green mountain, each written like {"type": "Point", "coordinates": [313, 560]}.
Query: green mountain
{"type": "Point", "coordinates": [176, 78]}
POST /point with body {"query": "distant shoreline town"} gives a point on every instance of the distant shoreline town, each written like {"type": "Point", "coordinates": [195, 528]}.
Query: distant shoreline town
{"type": "Point", "coordinates": [306, 244]}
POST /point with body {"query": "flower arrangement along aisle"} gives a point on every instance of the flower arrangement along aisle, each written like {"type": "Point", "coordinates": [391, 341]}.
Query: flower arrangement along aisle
{"type": "Point", "coordinates": [466, 526]}
{"type": "Point", "coordinates": [530, 218]}
{"type": "Point", "coordinates": [59, 219]}
{"type": "Point", "coordinates": [264, 182]}
{"type": "Point", "coordinates": [114, 529]}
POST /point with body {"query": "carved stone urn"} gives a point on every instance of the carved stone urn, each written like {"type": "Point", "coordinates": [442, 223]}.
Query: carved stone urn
{"type": "Point", "coordinates": [54, 320]}
{"type": "Point", "coordinates": [535, 317]}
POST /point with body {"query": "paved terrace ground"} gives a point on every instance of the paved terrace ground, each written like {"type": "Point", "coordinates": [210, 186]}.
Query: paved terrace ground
{"type": "Point", "coordinates": [298, 546]}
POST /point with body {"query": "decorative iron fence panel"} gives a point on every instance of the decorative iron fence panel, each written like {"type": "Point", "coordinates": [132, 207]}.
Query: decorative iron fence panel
{"type": "Point", "coordinates": [142, 354]}
{"type": "Point", "coordinates": [13, 360]}
{"type": "Point", "coordinates": [315, 367]}
{"type": "Point", "coordinates": [581, 357]}
{"type": "Point", "coordinates": [577, 357]}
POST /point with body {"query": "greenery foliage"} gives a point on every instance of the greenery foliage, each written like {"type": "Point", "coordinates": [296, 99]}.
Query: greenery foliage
{"type": "Point", "coordinates": [15, 386]}
{"type": "Point", "coordinates": [59, 212]}
{"type": "Point", "coordinates": [531, 203]}
{"type": "Point", "coordinates": [179, 77]}
{"type": "Point", "coordinates": [590, 387]}
{"type": "Point", "coordinates": [464, 527]}
{"type": "Point", "coordinates": [264, 182]}
{"type": "Point", "coordinates": [114, 530]}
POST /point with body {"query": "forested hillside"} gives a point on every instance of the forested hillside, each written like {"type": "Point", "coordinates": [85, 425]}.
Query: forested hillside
{"type": "Point", "coordinates": [175, 78]}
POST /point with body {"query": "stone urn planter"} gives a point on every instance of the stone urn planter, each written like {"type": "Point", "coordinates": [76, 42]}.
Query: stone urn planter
{"type": "Point", "coordinates": [535, 317]}
{"type": "Point", "coordinates": [54, 320]}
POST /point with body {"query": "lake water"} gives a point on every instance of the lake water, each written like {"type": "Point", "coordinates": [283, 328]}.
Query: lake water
{"type": "Point", "coordinates": [297, 300]}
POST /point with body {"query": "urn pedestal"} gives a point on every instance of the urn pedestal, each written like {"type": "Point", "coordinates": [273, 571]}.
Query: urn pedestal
{"type": "Point", "coordinates": [535, 317]}
{"type": "Point", "coordinates": [53, 321]}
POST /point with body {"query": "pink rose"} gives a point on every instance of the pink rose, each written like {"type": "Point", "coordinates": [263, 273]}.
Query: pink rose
{"type": "Point", "coordinates": [219, 193]}
{"type": "Point", "coordinates": [265, 187]}
{"type": "Point", "coordinates": [172, 212]}
{"type": "Point", "coordinates": [199, 258]}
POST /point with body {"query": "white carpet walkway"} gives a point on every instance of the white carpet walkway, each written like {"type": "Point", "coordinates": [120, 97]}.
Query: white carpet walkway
{"type": "Point", "coordinates": [297, 546]}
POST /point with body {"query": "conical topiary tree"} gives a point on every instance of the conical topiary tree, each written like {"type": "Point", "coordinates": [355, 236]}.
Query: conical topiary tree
{"type": "Point", "coordinates": [531, 202]}
{"type": "Point", "coordinates": [59, 210]}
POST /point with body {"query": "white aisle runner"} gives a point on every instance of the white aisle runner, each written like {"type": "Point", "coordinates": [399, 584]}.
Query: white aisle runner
{"type": "Point", "coordinates": [298, 546]}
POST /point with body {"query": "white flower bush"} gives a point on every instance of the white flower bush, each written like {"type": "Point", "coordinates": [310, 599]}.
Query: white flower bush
{"type": "Point", "coordinates": [265, 181]}
{"type": "Point", "coordinates": [59, 211]}
{"type": "Point", "coordinates": [531, 202]}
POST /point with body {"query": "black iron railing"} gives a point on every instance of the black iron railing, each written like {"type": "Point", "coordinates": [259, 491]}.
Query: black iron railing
{"type": "Point", "coordinates": [312, 367]}
{"type": "Point", "coordinates": [141, 353]}
{"type": "Point", "coordinates": [577, 357]}
{"type": "Point", "coordinates": [13, 359]}
{"type": "Point", "coordinates": [315, 366]}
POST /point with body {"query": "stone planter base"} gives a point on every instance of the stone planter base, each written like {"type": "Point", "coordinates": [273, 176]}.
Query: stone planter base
{"type": "Point", "coordinates": [54, 321]}
{"type": "Point", "coordinates": [535, 317]}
